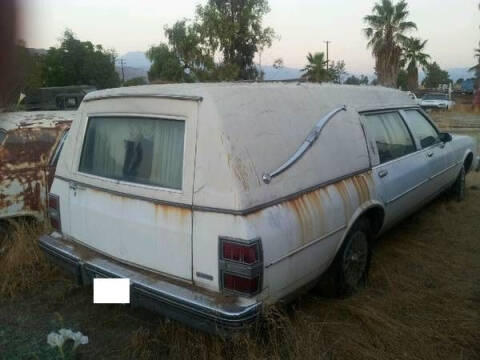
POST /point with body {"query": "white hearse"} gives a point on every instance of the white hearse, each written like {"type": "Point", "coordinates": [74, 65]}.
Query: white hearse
{"type": "Point", "coordinates": [217, 199]}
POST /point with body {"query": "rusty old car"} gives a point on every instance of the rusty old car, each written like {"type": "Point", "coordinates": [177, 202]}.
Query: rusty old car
{"type": "Point", "coordinates": [218, 199]}
{"type": "Point", "coordinates": [30, 144]}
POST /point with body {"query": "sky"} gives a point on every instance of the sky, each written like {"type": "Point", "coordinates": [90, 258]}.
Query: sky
{"type": "Point", "coordinates": [451, 27]}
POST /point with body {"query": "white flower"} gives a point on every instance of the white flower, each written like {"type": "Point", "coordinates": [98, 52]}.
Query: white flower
{"type": "Point", "coordinates": [79, 339]}
{"type": "Point", "coordinates": [54, 339]}
{"type": "Point", "coordinates": [66, 333]}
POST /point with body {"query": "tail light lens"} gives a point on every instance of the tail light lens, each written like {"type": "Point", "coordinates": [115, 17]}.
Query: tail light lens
{"type": "Point", "coordinates": [247, 254]}
{"type": "Point", "coordinates": [241, 266]}
{"type": "Point", "coordinates": [54, 211]}
{"type": "Point", "coordinates": [241, 284]}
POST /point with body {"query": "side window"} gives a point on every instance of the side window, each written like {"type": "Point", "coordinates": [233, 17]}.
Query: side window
{"type": "Point", "coordinates": [391, 135]}
{"type": "Point", "coordinates": [421, 128]}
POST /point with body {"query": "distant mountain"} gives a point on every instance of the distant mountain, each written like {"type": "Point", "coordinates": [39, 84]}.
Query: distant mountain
{"type": "Point", "coordinates": [131, 72]}
{"type": "Point", "coordinates": [284, 73]}
{"type": "Point", "coordinates": [460, 73]}
{"type": "Point", "coordinates": [136, 59]}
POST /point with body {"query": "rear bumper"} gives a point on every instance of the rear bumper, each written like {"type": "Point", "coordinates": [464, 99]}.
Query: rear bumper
{"type": "Point", "coordinates": [195, 307]}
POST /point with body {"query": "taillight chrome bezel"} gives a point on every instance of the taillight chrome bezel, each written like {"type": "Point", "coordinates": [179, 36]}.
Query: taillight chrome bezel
{"type": "Point", "coordinates": [239, 268]}
{"type": "Point", "coordinates": [54, 213]}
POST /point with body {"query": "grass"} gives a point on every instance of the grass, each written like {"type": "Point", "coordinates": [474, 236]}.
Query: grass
{"type": "Point", "coordinates": [422, 302]}
{"type": "Point", "coordinates": [22, 264]}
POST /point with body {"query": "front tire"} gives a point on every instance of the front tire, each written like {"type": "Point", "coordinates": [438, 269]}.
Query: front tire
{"type": "Point", "coordinates": [458, 188]}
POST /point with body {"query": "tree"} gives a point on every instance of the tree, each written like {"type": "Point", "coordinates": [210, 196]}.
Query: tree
{"type": "Point", "coordinates": [459, 81]}
{"type": "Point", "coordinates": [166, 66]}
{"type": "Point", "coordinates": [140, 80]}
{"type": "Point", "coordinates": [413, 57]}
{"type": "Point", "coordinates": [476, 68]}
{"type": "Point", "coordinates": [234, 27]}
{"type": "Point", "coordinates": [186, 43]}
{"type": "Point", "coordinates": [337, 72]}
{"type": "Point", "coordinates": [28, 74]}
{"type": "Point", "coordinates": [386, 30]}
{"type": "Point", "coordinates": [402, 80]}
{"type": "Point", "coordinates": [435, 76]}
{"type": "Point", "coordinates": [315, 70]}
{"type": "Point", "coordinates": [78, 62]}
{"type": "Point", "coordinates": [278, 63]}
{"type": "Point", "coordinates": [353, 80]}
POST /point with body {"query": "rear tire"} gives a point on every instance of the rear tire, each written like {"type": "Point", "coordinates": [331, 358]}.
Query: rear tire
{"type": "Point", "coordinates": [349, 270]}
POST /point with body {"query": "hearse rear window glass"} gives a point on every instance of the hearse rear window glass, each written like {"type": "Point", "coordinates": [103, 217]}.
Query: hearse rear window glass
{"type": "Point", "coordinates": [391, 135]}
{"type": "Point", "coordinates": [135, 149]}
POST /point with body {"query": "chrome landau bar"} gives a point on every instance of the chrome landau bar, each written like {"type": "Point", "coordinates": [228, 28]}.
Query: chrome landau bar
{"type": "Point", "coordinates": [310, 139]}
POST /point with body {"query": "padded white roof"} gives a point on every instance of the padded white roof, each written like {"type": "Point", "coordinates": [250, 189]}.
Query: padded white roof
{"type": "Point", "coordinates": [246, 129]}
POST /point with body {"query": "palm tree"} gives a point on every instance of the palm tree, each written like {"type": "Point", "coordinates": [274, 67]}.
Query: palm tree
{"type": "Point", "coordinates": [315, 69]}
{"type": "Point", "coordinates": [476, 68]}
{"type": "Point", "coordinates": [414, 57]}
{"type": "Point", "coordinates": [386, 30]}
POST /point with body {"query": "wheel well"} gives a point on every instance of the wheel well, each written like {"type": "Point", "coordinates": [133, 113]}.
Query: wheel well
{"type": "Point", "coordinates": [468, 162]}
{"type": "Point", "coordinates": [375, 216]}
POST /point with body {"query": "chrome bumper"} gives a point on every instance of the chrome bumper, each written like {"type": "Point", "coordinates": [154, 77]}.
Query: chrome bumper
{"type": "Point", "coordinates": [195, 307]}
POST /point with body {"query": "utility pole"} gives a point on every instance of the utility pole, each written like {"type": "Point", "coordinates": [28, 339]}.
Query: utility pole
{"type": "Point", "coordinates": [327, 42]}
{"type": "Point", "coordinates": [122, 62]}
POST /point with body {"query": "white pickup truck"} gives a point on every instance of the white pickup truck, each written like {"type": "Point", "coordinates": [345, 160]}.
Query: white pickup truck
{"type": "Point", "coordinates": [217, 199]}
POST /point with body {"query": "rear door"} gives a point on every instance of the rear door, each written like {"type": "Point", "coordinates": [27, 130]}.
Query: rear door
{"type": "Point", "coordinates": [131, 193]}
{"type": "Point", "coordinates": [400, 171]}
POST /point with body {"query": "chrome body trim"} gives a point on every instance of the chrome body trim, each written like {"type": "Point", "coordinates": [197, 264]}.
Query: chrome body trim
{"type": "Point", "coordinates": [293, 252]}
{"type": "Point", "coordinates": [309, 140]}
{"type": "Point", "coordinates": [196, 307]}
{"type": "Point", "coordinates": [243, 212]}
{"type": "Point", "coordinates": [407, 191]}
{"type": "Point", "coordinates": [154, 96]}
{"type": "Point", "coordinates": [445, 170]}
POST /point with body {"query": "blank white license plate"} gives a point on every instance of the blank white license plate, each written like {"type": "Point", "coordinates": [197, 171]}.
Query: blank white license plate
{"type": "Point", "coordinates": [111, 291]}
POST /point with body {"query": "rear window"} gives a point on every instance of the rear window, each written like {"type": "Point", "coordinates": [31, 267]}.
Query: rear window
{"type": "Point", "coordinates": [135, 149]}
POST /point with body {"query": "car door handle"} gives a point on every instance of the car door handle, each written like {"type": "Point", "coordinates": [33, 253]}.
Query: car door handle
{"type": "Point", "coordinates": [75, 186]}
{"type": "Point", "coordinates": [383, 173]}
{"type": "Point", "coordinates": [430, 153]}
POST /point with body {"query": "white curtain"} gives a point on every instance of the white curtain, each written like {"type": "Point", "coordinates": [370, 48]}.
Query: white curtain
{"type": "Point", "coordinates": [141, 150]}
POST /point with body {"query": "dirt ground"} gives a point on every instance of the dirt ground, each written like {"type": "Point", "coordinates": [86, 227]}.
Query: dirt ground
{"type": "Point", "coordinates": [422, 301]}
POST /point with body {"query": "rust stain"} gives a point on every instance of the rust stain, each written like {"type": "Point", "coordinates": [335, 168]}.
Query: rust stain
{"type": "Point", "coordinates": [240, 171]}
{"type": "Point", "coordinates": [342, 190]}
{"type": "Point", "coordinates": [24, 162]}
{"type": "Point", "coordinates": [160, 210]}
{"type": "Point", "coordinates": [312, 209]}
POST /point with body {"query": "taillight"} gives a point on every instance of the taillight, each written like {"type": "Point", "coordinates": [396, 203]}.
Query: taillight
{"type": "Point", "coordinates": [240, 284]}
{"type": "Point", "coordinates": [240, 265]}
{"type": "Point", "coordinates": [247, 254]}
{"type": "Point", "coordinates": [54, 211]}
